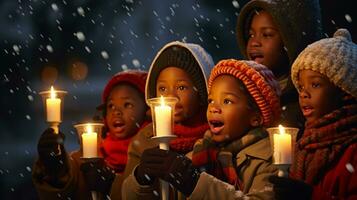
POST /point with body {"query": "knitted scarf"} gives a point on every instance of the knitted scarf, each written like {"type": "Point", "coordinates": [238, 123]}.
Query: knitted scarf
{"type": "Point", "coordinates": [323, 143]}
{"type": "Point", "coordinates": [114, 151]}
{"type": "Point", "coordinates": [186, 137]}
{"type": "Point", "coordinates": [220, 161]}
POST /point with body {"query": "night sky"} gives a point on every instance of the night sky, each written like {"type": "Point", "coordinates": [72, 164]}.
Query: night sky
{"type": "Point", "coordinates": [78, 45]}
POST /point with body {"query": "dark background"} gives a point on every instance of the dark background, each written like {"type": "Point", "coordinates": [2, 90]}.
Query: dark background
{"type": "Point", "coordinates": [78, 45]}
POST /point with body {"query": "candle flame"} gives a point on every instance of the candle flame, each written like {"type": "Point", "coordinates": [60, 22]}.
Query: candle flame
{"type": "Point", "coordinates": [53, 93]}
{"type": "Point", "coordinates": [281, 129]}
{"type": "Point", "coordinates": [162, 101]}
{"type": "Point", "coordinates": [89, 128]}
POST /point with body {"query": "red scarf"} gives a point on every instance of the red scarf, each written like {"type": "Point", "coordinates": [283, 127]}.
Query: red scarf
{"type": "Point", "coordinates": [323, 143]}
{"type": "Point", "coordinates": [115, 151]}
{"type": "Point", "coordinates": [186, 137]}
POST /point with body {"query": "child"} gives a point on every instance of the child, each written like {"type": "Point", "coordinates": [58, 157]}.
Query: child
{"type": "Point", "coordinates": [235, 152]}
{"type": "Point", "coordinates": [66, 176]}
{"type": "Point", "coordinates": [178, 70]}
{"type": "Point", "coordinates": [325, 74]}
{"type": "Point", "coordinates": [272, 33]}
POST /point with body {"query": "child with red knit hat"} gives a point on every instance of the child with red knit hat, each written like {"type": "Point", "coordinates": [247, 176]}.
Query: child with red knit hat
{"type": "Point", "coordinates": [233, 158]}
{"type": "Point", "coordinates": [66, 176]}
{"type": "Point", "coordinates": [325, 163]}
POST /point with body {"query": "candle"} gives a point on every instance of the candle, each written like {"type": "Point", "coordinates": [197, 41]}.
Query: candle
{"type": "Point", "coordinates": [282, 147]}
{"type": "Point", "coordinates": [53, 107]}
{"type": "Point", "coordinates": [163, 119]}
{"type": "Point", "coordinates": [89, 141]}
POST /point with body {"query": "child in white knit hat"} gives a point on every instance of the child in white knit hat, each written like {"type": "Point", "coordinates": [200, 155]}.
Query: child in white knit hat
{"type": "Point", "coordinates": [325, 74]}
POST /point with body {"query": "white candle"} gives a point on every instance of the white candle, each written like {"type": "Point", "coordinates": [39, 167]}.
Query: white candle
{"type": "Point", "coordinates": [163, 119]}
{"type": "Point", "coordinates": [89, 141]}
{"type": "Point", "coordinates": [282, 147]}
{"type": "Point", "coordinates": [53, 107]}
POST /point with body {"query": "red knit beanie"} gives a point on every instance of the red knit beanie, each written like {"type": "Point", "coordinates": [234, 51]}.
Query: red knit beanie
{"type": "Point", "coordinates": [259, 81]}
{"type": "Point", "coordinates": [135, 78]}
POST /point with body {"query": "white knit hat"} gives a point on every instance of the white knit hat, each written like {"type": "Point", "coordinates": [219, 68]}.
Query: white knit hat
{"type": "Point", "coordinates": [336, 58]}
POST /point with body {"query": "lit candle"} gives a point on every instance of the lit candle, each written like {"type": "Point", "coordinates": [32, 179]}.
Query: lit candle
{"type": "Point", "coordinates": [282, 147]}
{"type": "Point", "coordinates": [163, 119]}
{"type": "Point", "coordinates": [89, 141]}
{"type": "Point", "coordinates": [53, 106]}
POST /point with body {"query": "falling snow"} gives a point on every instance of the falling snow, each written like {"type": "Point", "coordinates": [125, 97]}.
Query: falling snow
{"type": "Point", "coordinates": [30, 97]}
{"type": "Point", "coordinates": [28, 117]}
{"type": "Point", "coordinates": [350, 168]}
{"type": "Point", "coordinates": [49, 48]}
{"type": "Point", "coordinates": [235, 4]}
{"type": "Point", "coordinates": [104, 54]}
{"type": "Point", "coordinates": [136, 63]}
{"type": "Point", "coordinates": [80, 36]}
{"type": "Point", "coordinates": [348, 18]}
{"type": "Point", "coordinates": [80, 11]}
{"type": "Point", "coordinates": [54, 7]}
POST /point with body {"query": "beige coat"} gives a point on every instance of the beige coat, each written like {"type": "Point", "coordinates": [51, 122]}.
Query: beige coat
{"type": "Point", "coordinates": [253, 162]}
{"type": "Point", "coordinates": [254, 167]}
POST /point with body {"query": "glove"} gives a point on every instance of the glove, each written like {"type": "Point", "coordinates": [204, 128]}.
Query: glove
{"type": "Point", "coordinates": [170, 166]}
{"type": "Point", "coordinates": [53, 159]}
{"type": "Point", "coordinates": [98, 176]}
{"type": "Point", "coordinates": [287, 188]}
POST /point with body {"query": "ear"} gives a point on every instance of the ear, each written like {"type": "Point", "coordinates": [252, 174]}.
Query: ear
{"type": "Point", "coordinates": [256, 119]}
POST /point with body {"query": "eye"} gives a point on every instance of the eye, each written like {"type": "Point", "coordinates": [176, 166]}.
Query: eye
{"type": "Point", "coordinates": [300, 88]}
{"type": "Point", "coordinates": [266, 35]}
{"type": "Point", "coordinates": [110, 106]}
{"type": "Point", "coordinates": [162, 89]}
{"type": "Point", "coordinates": [128, 105]}
{"type": "Point", "coordinates": [315, 85]}
{"type": "Point", "coordinates": [210, 101]}
{"type": "Point", "coordinates": [181, 87]}
{"type": "Point", "coordinates": [227, 101]}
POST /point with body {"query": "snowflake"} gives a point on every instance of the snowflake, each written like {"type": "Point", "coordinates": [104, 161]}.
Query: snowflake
{"type": "Point", "coordinates": [54, 7]}
{"type": "Point", "coordinates": [104, 54]}
{"type": "Point", "coordinates": [80, 11]}
{"type": "Point", "coordinates": [350, 168]}
{"type": "Point", "coordinates": [81, 37]}
{"type": "Point", "coordinates": [49, 48]}
{"type": "Point", "coordinates": [348, 18]}
{"type": "Point", "coordinates": [235, 4]}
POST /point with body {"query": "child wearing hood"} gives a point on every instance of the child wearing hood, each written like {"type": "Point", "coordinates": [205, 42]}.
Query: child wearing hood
{"type": "Point", "coordinates": [66, 175]}
{"type": "Point", "coordinates": [179, 70]}
{"type": "Point", "coordinates": [273, 33]}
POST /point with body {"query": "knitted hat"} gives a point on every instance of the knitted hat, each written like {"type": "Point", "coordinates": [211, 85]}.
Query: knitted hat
{"type": "Point", "coordinates": [335, 57]}
{"type": "Point", "coordinates": [259, 81]}
{"type": "Point", "coordinates": [133, 77]}
{"type": "Point", "coordinates": [298, 21]}
{"type": "Point", "coordinates": [192, 58]}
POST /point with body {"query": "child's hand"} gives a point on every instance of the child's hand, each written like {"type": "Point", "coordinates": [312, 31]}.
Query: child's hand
{"type": "Point", "coordinates": [98, 176]}
{"type": "Point", "coordinates": [172, 167]}
{"type": "Point", "coordinates": [287, 188]}
{"type": "Point", "coordinates": [49, 154]}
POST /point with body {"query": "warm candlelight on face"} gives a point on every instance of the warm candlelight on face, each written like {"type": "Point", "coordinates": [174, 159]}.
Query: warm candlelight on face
{"type": "Point", "coordinates": [282, 147]}
{"type": "Point", "coordinates": [53, 107]}
{"type": "Point", "coordinates": [89, 141]}
{"type": "Point", "coordinates": [163, 119]}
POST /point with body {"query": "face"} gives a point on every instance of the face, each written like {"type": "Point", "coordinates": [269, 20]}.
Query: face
{"type": "Point", "coordinates": [175, 82]}
{"type": "Point", "coordinates": [317, 95]}
{"type": "Point", "coordinates": [125, 111]}
{"type": "Point", "coordinates": [265, 45]}
{"type": "Point", "coordinates": [229, 114]}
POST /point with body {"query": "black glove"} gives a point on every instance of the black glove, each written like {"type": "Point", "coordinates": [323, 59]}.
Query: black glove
{"type": "Point", "coordinates": [170, 166]}
{"type": "Point", "coordinates": [287, 188]}
{"type": "Point", "coordinates": [97, 175]}
{"type": "Point", "coordinates": [53, 159]}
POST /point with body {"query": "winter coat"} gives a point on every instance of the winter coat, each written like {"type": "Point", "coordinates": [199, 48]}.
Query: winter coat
{"type": "Point", "coordinates": [253, 166]}
{"type": "Point", "coordinates": [74, 185]}
{"type": "Point", "coordinates": [340, 182]}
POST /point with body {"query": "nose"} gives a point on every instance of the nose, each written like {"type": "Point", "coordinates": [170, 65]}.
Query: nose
{"type": "Point", "coordinates": [172, 93]}
{"type": "Point", "coordinates": [214, 109]}
{"type": "Point", "coordinates": [254, 41]}
{"type": "Point", "coordinates": [117, 111]}
{"type": "Point", "coordinates": [304, 94]}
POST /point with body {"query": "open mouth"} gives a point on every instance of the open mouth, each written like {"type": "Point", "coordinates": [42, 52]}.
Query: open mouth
{"type": "Point", "coordinates": [118, 126]}
{"type": "Point", "coordinates": [307, 110]}
{"type": "Point", "coordinates": [216, 126]}
{"type": "Point", "coordinates": [257, 57]}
